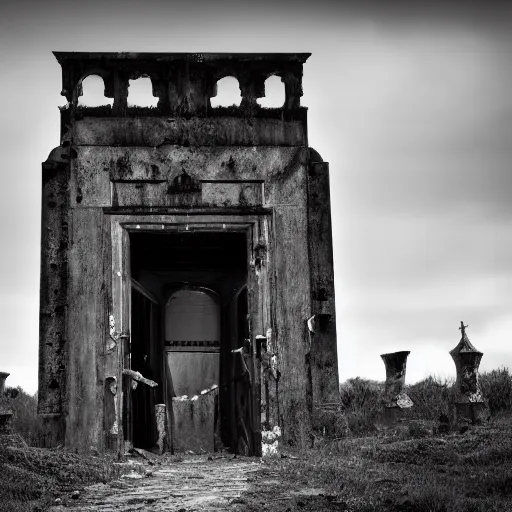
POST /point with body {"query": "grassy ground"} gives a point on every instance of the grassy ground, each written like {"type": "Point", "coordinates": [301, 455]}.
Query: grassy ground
{"type": "Point", "coordinates": [469, 472]}
{"type": "Point", "coordinates": [405, 469]}
{"type": "Point", "coordinates": [32, 478]}
{"type": "Point", "coordinates": [356, 467]}
{"type": "Point", "coordinates": [392, 471]}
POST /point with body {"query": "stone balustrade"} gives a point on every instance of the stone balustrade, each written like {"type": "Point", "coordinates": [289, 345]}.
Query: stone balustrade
{"type": "Point", "coordinates": [182, 82]}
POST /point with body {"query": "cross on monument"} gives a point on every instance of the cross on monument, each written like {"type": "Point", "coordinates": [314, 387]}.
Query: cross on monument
{"type": "Point", "coordinates": [462, 328]}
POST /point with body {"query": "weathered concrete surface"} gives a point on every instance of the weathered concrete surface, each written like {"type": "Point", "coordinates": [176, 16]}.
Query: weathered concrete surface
{"type": "Point", "coordinates": [396, 365]}
{"type": "Point", "coordinates": [154, 168]}
{"type": "Point", "coordinates": [194, 484]}
{"type": "Point", "coordinates": [161, 427]}
{"type": "Point", "coordinates": [467, 360]}
{"type": "Point", "coordinates": [53, 344]}
{"type": "Point", "coordinates": [3, 377]}
{"type": "Point", "coordinates": [194, 426]}
{"type": "Point", "coordinates": [119, 168]}
{"type": "Point", "coordinates": [86, 328]}
{"type": "Point", "coordinates": [395, 400]}
{"type": "Point", "coordinates": [159, 131]}
{"type": "Point", "coordinates": [320, 254]}
{"type": "Point", "coordinates": [5, 410]}
{"type": "Point", "coordinates": [188, 88]}
{"type": "Point", "coordinates": [469, 402]}
{"type": "Point", "coordinates": [323, 359]}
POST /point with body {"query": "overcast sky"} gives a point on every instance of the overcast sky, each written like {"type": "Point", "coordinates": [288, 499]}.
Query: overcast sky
{"type": "Point", "coordinates": [412, 107]}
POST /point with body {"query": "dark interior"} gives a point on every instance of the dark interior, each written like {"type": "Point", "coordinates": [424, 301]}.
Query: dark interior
{"type": "Point", "coordinates": [161, 263]}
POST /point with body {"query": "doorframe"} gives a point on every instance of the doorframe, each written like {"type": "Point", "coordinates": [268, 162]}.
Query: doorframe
{"type": "Point", "coordinates": [256, 227]}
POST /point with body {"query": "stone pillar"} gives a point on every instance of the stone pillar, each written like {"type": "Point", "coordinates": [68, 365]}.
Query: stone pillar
{"type": "Point", "coordinates": [469, 403]}
{"type": "Point", "coordinates": [161, 427]}
{"type": "Point", "coordinates": [5, 411]}
{"type": "Point", "coordinates": [395, 399]}
{"type": "Point", "coordinates": [3, 377]}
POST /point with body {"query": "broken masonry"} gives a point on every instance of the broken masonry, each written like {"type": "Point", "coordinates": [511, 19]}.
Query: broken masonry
{"type": "Point", "coordinates": [395, 399]}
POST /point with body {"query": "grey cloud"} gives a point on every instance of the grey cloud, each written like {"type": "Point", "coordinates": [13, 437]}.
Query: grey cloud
{"type": "Point", "coordinates": [409, 101]}
{"type": "Point", "coordinates": [379, 328]}
{"type": "Point", "coordinates": [392, 251]}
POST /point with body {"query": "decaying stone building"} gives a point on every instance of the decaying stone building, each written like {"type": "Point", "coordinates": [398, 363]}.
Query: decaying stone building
{"type": "Point", "coordinates": [190, 247]}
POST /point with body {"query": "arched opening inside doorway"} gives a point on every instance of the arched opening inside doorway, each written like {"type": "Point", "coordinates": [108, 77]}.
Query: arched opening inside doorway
{"type": "Point", "coordinates": [192, 338]}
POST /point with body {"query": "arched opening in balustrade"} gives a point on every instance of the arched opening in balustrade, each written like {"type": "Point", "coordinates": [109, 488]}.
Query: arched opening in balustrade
{"type": "Point", "coordinates": [274, 93]}
{"type": "Point", "coordinates": [140, 93]}
{"type": "Point", "coordinates": [93, 92]}
{"type": "Point", "coordinates": [228, 93]}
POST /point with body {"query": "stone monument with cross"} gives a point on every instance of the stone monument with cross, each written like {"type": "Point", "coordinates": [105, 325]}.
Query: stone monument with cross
{"type": "Point", "coordinates": [469, 403]}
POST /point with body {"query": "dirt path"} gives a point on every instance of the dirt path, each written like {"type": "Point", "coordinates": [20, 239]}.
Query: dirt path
{"type": "Point", "coordinates": [200, 484]}
{"type": "Point", "coordinates": [194, 483]}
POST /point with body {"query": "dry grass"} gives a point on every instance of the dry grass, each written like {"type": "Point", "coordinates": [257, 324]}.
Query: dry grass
{"type": "Point", "coordinates": [470, 472]}
{"type": "Point", "coordinates": [31, 478]}
{"type": "Point", "coordinates": [432, 397]}
{"type": "Point", "coordinates": [25, 420]}
{"type": "Point", "coordinates": [497, 387]}
{"type": "Point", "coordinates": [361, 402]}
{"type": "Point", "coordinates": [407, 469]}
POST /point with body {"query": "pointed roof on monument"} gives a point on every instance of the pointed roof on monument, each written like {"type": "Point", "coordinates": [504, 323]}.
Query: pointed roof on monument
{"type": "Point", "coordinates": [464, 345]}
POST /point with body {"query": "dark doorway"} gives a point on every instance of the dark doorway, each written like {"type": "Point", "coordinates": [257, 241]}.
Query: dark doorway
{"type": "Point", "coordinates": [197, 266]}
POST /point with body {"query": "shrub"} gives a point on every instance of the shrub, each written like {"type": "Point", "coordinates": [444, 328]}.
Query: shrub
{"type": "Point", "coordinates": [420, 428]}
{"type": "Point", "coordinates": [497, 389]}
{"type": "Point", "coordinates": [361, 402]}
{"type": "Point", "coordinates": [332, 424]}
{"type": "Point", "coordinates": [357, 393]}
{"type": "Point", "coordinates": [25, 419]}
{"type": "Point", "coordinates": [431, 397]}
